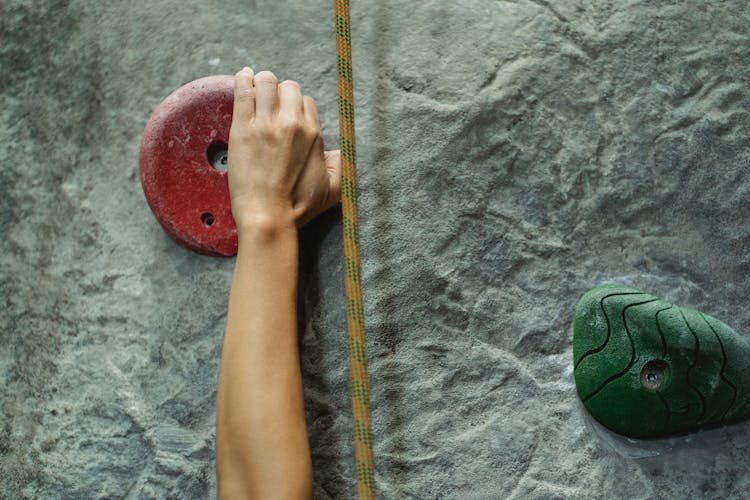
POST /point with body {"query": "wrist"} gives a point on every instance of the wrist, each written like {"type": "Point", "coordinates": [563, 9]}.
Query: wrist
{"type": "Point", "coordinates": [265, 225]}
{"type": "Point", "coordinates": [254, 212]}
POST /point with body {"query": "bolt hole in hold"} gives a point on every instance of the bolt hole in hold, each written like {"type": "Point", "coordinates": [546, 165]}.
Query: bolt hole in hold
{"type": "Point", "coordinates": [217, 155]}
{"type": "Point", "coordinates": [654, 374]}
{"type": "Point", "coordinates": [207, 218]}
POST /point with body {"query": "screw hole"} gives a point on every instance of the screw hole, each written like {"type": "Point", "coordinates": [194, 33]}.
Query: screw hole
{"type": "Point", "coordinates": [654, 374]}
{"type": "Point", "coordinates": [217, 154]}
{"type": "Point", "coordinates": [207, 218]}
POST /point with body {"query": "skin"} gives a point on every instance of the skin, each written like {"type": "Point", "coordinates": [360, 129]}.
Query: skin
{"type": "Point", "coordinates": [279, 178]}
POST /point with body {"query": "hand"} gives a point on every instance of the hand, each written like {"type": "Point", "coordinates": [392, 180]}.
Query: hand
{"type": "Point", "coordinates": [279, 174]}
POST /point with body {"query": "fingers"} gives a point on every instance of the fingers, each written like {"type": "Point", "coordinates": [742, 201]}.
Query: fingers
{"type": "Point", "coordinates": [260, 96]}
{"type": "Point", "coordinates": [266, 94]}
{"type": "Point", "coordinates": [244, 96]}
{"type": "Point", "coordinates": [333, 165]}
{"type": "Point", "coordinates": [290, 99]}
{"type": "Point", "coordinates": [311, 110]}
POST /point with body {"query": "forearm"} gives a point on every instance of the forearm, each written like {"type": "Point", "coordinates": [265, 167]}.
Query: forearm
{"type": "Point", "coordinates": [279, 177]}
{"type": "Point", "coordinates": [262, 444]}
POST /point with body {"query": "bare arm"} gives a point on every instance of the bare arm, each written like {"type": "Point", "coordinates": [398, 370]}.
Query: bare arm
{"type": "Point", "coordinates": [279, 177]}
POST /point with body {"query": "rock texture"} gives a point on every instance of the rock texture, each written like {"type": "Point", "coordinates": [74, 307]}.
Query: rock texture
{"type": "Point", "coordinates": [513, 155]}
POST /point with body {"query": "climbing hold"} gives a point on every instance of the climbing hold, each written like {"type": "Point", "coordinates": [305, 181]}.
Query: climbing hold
{"type": "Point", "coordinates": [183, 162]}
{"type": "Point", "coordinates": [646, 368]}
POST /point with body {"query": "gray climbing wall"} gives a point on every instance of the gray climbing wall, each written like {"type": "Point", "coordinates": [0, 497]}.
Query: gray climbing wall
{"type": "Point", "coordinates": [513, 154]}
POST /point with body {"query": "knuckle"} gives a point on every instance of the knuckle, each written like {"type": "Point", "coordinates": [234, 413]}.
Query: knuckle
{"type": "Point", "coordinates": [258, 129]}
{"type": "Point", "coordinates": [238, 142]}
{"type": "Point", "coordinates": [290, 83]}
{"type": "Point", "coordinates": [244, 94]}
{"type": "Point", "coordinates": [246, 71]}
{"type": "Point", "coordinates": [246, 138]}
{"type": "Point", "coordinates": [266, 77]}
{"type": "Point", "coordinates": [292, 124]}
{"type": "Point", "coordinates": [312, 132]}
{"type": "Point", "coordinates": [265, 132]}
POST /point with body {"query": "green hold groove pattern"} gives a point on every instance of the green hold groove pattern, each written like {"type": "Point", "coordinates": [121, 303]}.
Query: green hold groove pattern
{"type": "Point", "coordinates": [646, 368]}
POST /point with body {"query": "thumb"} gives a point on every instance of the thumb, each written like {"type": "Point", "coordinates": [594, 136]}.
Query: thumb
{"type": "Point", "coordinates": [333, 165]}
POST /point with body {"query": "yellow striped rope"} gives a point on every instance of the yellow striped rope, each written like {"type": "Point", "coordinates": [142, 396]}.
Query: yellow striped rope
{"type": "Point", "coordinates": [355, 316]}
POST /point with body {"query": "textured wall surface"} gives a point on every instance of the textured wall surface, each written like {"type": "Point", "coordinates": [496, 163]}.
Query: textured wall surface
{"type": "Point", "coordinates": [513, 154]}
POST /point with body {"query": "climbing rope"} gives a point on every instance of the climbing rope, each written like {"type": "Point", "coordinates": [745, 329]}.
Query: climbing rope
{"type": "Point", "coordinates": [355, 316]}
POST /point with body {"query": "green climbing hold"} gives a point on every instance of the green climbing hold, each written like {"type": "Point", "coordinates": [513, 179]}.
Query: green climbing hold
{"type": "Point", "coordinates": [646, 368]}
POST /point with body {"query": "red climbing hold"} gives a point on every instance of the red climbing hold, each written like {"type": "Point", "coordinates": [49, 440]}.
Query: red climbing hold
{"type": "Point", "coordinates": [183, 165]}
